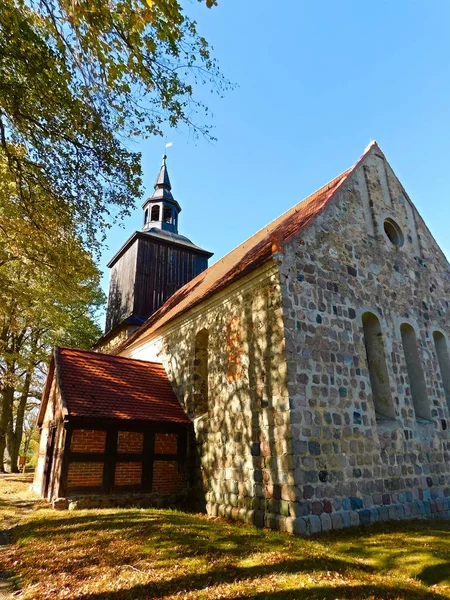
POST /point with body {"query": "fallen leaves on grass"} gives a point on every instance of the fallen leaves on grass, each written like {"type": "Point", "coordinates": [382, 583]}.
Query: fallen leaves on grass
{"type": "Point", "coordinates": [126, 554]}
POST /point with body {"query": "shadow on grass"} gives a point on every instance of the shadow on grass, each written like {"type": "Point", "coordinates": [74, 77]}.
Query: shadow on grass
{"type": "Point", "coordinates": [163, 538]}
{"type": "Point", "coordinates": [356, 592]}
{"type": "Point", "coordinates": [173, 532]}
{"type": "Point", "coordinates": [21, 503]}
{"type": "Point", "coordinates": [434, 574]}
{"type": "Point", "coordinates": [339, 592]}
{"type": "Point", "coordinates": [16, 478]}
{"type": "Point", "coordinates": [220, 576]}
{"type": "Point", "coordinates": [414, 546]}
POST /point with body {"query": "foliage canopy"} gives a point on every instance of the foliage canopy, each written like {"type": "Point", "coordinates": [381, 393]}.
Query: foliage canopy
{"type": "Point", "coordinates": [49, 294]}
{"type": "Point", "coordinates": [78, 79]}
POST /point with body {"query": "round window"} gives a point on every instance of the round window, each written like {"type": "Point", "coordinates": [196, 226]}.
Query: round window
{"type": "Point", "coordinates": [394, 233]}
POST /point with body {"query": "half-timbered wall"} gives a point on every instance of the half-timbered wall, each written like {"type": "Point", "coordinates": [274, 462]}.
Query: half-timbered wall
{"type": "Point", "coordinates": [51, 447]}
{"type": "Point", "coordinates": [112, 459]}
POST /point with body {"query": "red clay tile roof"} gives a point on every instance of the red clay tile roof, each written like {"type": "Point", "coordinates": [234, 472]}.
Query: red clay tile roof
{"type": "Point", "coordinates": [111, 387]}
{"type": "Point", "coordinates": [248, 256]}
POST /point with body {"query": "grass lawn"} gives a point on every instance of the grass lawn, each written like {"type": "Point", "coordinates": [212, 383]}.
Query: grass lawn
{"type": "Point", "coordinates": [132, 554]}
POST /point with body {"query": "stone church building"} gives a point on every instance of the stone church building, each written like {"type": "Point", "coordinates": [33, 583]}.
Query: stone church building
{"type": "Point", "coordinates": [301, 382]}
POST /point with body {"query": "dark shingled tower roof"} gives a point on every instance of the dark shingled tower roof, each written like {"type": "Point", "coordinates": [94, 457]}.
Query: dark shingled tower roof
{"type": "Point", "coordinates": [162, 185]}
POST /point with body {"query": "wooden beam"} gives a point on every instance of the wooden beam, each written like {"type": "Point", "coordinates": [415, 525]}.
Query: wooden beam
{"type": "Point", "coordinates": [86, 457]}
{"type": "Point", "coordinates": [182, 448]}
{"type": "Point", "coordinates": [110, 459]}
{"type": "Point", "coordinates": [125, 425]}
{"type": "Point", "coordinates": [173, 457]}
{"type": "Point", "coordinates": [147, 462]}
{"type": "Point", "coordinates": [65, 462]}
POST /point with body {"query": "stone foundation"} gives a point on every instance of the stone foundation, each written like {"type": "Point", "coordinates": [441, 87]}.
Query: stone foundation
{"type": "Point", "coordinates": [314, 523]}
{"type": "Point", "coordinates": [79, 502]}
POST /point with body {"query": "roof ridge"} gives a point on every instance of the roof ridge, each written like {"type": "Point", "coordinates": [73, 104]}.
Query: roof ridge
{"type": "Point", "coordinates": [266, 227]}
{"type": "Point", "coordinates": [201, 276]}
{"type": "Point", "coordinates": [109, 356]}
{"type": "Point", "coordinates": [254, 251]}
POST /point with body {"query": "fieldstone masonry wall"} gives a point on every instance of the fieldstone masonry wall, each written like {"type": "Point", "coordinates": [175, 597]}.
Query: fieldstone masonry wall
{"type": "Point", "coordinates": [350, 466]}
{"type": "Point", "coordinates": [242, 444]}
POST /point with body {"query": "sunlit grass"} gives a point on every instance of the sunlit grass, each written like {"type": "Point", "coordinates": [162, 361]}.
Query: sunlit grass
{"type": "Point", "coordinates": [135, 554]}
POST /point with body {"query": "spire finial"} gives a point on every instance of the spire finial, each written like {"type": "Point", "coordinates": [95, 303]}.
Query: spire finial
{"type": "Point", "coordinates": [161, 209]}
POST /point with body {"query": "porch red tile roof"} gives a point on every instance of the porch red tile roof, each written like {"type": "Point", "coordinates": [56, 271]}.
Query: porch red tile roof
{"type": "Point", "coordinates": [112, 387]}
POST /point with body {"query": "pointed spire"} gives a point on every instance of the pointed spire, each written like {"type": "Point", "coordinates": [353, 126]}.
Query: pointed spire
{"type": "Point", "coordinates": [163, 175]}
{"type": "Point", "coordinates": [162, 184]}
{"type": "Point", "coordinates": [161, 210]}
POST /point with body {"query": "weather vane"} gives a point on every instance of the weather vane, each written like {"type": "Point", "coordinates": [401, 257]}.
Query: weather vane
{"type": "Point", "coordinates": [167, 145]}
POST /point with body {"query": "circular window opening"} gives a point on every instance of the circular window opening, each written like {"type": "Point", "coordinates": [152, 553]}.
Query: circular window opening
{"type": "Point", "coordinates": [394, 233]}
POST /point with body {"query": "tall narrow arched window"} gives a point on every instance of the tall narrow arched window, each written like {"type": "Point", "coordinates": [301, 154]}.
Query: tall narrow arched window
{"type": "Point", "coordinates": [416, 377]}
{"type": "Point", "coordinates": [146, 217]}
{"type": "Point", "coordinates": [376, 360]}
{"type": "Point", "coordinates": [200, 383]}
{"type": "Point", "coordinates": [155, 213]}
{"type": "Point", "coordinates": [444, 362]}
{"type": "Point", "coordinates": [167, 214]}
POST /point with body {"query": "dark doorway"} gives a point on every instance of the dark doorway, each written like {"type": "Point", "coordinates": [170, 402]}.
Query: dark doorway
{"type": "Point", "coordinates": [49, 458]}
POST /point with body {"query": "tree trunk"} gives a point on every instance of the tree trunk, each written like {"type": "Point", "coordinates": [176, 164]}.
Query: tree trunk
{"type": "Point", "coordinates": [15, 432]}
{"type": "Point", "coordinates": [26, 446]}
{"type": "Point", "coordinates": [3, 416]}
{"type": "Point", "coordinates": [2, 451]}
{"type": "Point", "coordinates": [7, 397]}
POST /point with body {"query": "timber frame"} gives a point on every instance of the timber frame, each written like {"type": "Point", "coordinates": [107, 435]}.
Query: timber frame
{"type": "Point", "coordinates": [110, 457]}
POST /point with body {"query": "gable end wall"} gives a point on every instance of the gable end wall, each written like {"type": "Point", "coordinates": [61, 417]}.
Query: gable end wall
{"type": "Point", "coordinates": [350, 468]}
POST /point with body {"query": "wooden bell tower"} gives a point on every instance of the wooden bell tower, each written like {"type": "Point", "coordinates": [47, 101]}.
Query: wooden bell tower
{"type": "Point", "coordinates": [152, 264]}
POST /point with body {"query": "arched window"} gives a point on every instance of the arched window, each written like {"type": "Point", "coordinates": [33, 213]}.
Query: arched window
{"type": "Point", "coordinates": [155, 213]}
{"type": "Point", "coordinates": [200, 383]}
{"type": "Point", "coordinates": [167, 214]}
{"type": "Point", "coordinates": [416, 378]}
{"type": "Point", "coordinates": [376, 360]}
{"type": "Point", "coordinates": [146, 217]}
{"type": "Point", "coordinates": [444, 362]}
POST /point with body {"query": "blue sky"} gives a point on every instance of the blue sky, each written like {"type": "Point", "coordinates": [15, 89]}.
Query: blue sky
{"type": "Point", "coordinates": [316, 82]}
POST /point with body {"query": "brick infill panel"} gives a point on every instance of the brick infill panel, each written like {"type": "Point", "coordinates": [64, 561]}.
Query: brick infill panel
{"type": "Point", "coordinates": [88, 440]}
{"type": "Point", "coordinates": [166, 443]}
{"type": "Point", "coordinates": [128, 474]}
{"type": "Point", "coordinates": [130, 441]}
{"type": "Point", "coordinates": [85, 474]}
{"type": "Point", "coordinates": [167, 478]}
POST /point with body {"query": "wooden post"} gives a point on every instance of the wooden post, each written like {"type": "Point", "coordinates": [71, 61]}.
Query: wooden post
{"type": "Point", "coordinates": [109, 468]}
{"type": "Point", "coordinates": [147, 460]}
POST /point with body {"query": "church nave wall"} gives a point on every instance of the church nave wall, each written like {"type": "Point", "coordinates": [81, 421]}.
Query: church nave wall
{"type": "Point", "coordinates": [226, 362]}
